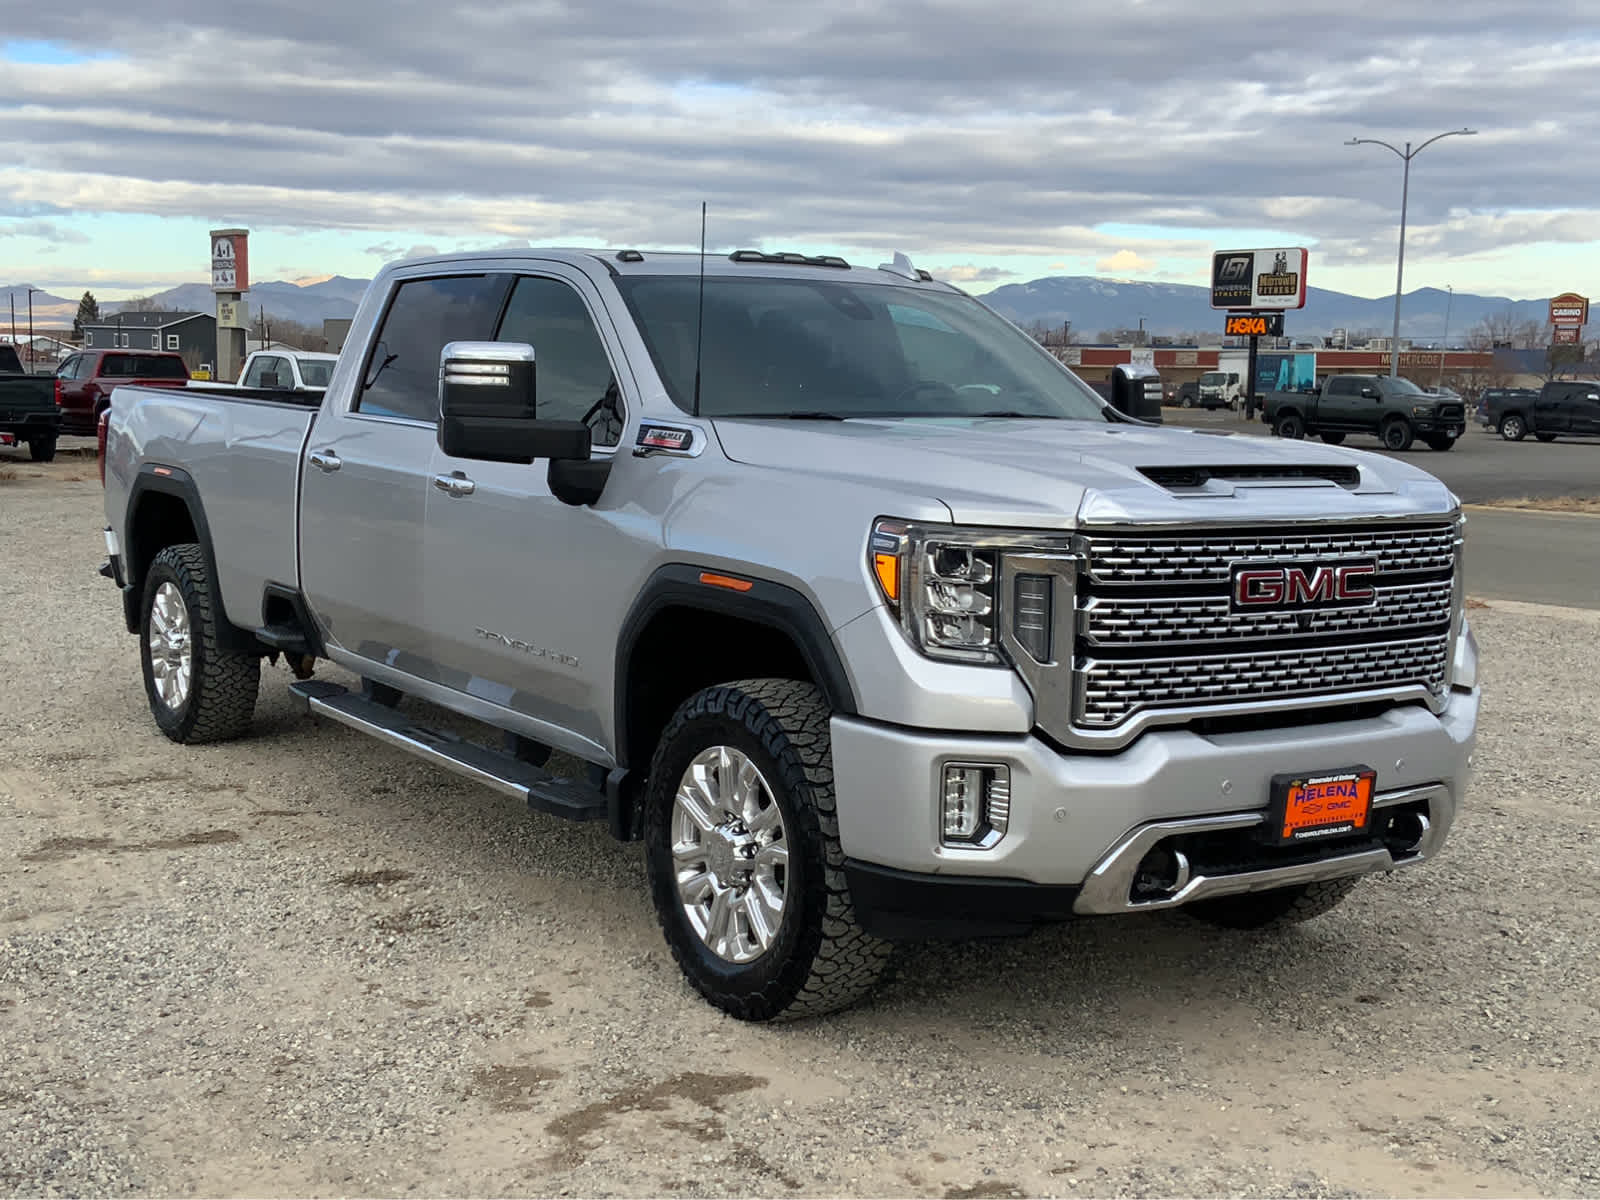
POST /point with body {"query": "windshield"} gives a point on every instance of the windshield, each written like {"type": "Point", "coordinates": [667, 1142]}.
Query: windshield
{"type": "Point", "coordinates": [837, 348]}
{"type": "Point", "coordinates": [1405, 387]}
{"type": "Point", "coordinates": [315, 371]}
{"type": "Point", "coordinates": [1211, 378]}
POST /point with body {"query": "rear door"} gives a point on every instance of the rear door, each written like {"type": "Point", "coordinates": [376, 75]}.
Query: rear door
{"type": "Point", "coordinates": [1341, 405]}
{"type": "Point", "coordinates": [1552, 411]}
{"type": "Point", "coordinates": [365, 484]}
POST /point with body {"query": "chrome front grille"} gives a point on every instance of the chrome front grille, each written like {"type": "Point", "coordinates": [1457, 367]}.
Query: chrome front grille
{"type": "Point", "coordinates": [1181, 620]}
{"type": "Point", "coordinates": [1112, 690]}
{"type": "Point", "coordinates": [1181, 558]}
{"type": "Point", "coordinates": [1157, 629]}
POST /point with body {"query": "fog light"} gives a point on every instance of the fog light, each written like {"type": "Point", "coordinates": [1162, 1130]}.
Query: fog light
{"type": "Point", "coordinates": [976, 803]}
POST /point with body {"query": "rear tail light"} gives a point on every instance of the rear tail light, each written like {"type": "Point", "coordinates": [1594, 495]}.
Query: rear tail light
{"type": "Point", "coordinates": [58, 391]}
{"type": "Point", "coordinates": [101, 426]}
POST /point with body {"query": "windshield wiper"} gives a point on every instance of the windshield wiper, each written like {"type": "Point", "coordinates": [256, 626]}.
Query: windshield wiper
{"type": "Point", "coordinates": [817, 415]}
{"type": "Point", "coordinates": [1010, 412]}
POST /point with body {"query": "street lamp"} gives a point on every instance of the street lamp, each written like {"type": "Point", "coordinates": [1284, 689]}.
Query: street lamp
{"type": "Point", "coordinates": [1406, 156]}
{"type": "Point", "coordinates": [1444, 343]}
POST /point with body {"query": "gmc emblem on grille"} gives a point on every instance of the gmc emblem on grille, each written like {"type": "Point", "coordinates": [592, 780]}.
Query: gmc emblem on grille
{"type": "Point", "coordinates": [1259, 586]}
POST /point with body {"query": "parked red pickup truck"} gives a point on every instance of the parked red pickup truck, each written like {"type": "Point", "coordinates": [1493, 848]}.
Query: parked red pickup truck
{"type": "Point", "coordinates": [84, 381]}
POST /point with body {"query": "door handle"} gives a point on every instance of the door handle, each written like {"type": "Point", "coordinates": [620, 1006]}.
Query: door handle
{"type": "Point", "coordinates": [455, 484]}
{"type": "Point", "coordinates": [325, 460]}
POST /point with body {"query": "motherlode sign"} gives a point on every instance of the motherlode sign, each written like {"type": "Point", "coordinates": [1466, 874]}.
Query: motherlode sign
{"type": "Point", "coordinates": [1259, 279]}
{"type": "Point", "coordinates": [230, 260]}
{"type": "Point", "coordinates": [1569, 308]}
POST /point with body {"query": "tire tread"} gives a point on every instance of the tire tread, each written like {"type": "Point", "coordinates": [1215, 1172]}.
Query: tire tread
{"type": "Point", "coordinates": [223, 685]}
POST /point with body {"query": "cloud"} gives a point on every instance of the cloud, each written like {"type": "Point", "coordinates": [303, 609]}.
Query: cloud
{"type": "Point", "coordinates": [973, 274]}
{"type": "Point", "coordinates": [1126, 262]}
{"type": "Point", "coordinates": [389, 251]}
{"type": "Point", "coordinates": [928, 125]}
{"type": "Point", "coordinates": [44, 231]}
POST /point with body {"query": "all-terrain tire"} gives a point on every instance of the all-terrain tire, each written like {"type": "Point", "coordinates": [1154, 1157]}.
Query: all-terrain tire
{"type": "Point", "coordinates": [1271, 909]}
{"type": "Point", "coordinates": [820, 959]}
{"type": "Point", "coordinates": [42, 449]}
{"type": "Point", "coordinates": [1291, 426]}
{"type": "Point", "coordinates": [221, 697]}
{"type": "Point", "coordinates": [1397, 434]}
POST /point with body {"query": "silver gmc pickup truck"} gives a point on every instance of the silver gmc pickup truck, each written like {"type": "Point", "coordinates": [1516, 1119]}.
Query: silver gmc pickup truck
{"type": "Point", "coordinates": [870, 619]}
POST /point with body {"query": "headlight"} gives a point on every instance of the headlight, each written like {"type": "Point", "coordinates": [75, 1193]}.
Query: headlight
{"type": "Point", "coordinates": [950, 591]}
{"type": "Point", "coordinates": [1422, 410]}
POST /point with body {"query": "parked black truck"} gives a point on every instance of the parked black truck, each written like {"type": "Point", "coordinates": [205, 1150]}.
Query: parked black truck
{"type": "Point", "coordinates": [1394, 410]}
{"type": "Point", "coordinates": [28, 411]}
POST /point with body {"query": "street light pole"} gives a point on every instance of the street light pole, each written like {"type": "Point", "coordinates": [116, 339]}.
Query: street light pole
{"type": "Point", "coordinates": [1444, 343]}
{"type": "Point", "coordinates": [31, 291]}
{"type": "Point", "coordinates": [1405, 156]}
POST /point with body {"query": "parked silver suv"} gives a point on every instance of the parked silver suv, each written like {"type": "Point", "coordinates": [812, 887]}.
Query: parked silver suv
{"type": "Point", "coordinates": [862, 611]}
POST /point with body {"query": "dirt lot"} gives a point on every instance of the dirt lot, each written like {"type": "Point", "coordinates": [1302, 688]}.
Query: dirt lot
{"type": "Point", "coordinates": [303, 964]}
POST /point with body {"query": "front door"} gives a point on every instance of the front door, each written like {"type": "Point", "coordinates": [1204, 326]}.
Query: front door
{"type": "Point", "coordinates": [364, 488]}
{"type": "Point", "coordinates": [525, 594]}
{"type": "Point", "coordinates": [1586, 410]}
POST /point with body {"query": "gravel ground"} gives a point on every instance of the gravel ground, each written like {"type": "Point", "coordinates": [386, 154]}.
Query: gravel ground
{"type": "Point", "coordinates": [303, 964]}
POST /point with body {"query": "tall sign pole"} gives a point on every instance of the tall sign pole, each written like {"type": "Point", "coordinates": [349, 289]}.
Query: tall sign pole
{"type": "Point", "coordinates": [230, 279]}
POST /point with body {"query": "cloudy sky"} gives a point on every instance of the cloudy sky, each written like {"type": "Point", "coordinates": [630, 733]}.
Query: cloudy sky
{"type": "Point", "coordinates": [991, 142]}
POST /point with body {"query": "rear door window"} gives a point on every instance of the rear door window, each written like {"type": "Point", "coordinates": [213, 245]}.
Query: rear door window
{"type": "Point", "coordinates": [401, 377]}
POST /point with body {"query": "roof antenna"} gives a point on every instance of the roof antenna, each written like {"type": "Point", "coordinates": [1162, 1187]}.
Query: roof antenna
{"type": "Point", "coordinates": [700, 309]}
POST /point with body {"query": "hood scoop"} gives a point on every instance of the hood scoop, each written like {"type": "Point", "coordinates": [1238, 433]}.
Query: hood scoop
{"type": "Point", "coordinates": [1185, 480]}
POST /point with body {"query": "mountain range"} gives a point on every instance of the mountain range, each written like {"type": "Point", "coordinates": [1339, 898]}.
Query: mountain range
{"type": "Point", "coordinates": [1091, 303]}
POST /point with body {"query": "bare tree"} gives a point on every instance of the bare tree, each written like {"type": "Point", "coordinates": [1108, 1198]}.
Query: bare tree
{"type": "Point", "coordinates": [143, 304]}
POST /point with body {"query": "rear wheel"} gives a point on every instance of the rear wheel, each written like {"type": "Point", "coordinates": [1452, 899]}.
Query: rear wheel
{"type": "Point", "coordinates": [1333, 439]}
{"type": "Point", "coordinates": [1397, 434]}
{"type": "Point", "coordinates": [1513, 428]}
{"type": "Point", "coordinates": [1545, 437]}
{"type": "Point", "coordinates": [1440, 442]}
{"type": "Point", "coordinates": [1280, 906]}
{"type": "Point", "coordinates": [198, 692]}
{"type": "Point", "coordinates": [742, 847]}
{"type": "Point", "coordinates": [1188, 401]}
{"type": "Point", "coordinates": [1290, 425]}
{"type": "Point", "coordinates": [42, 449]}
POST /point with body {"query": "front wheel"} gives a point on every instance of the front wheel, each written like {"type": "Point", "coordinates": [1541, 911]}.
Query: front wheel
{"type": "Point", "coordinates": [42, 449]}
{"type": "Point", "coordinates": [1441, 443]}
{"type": "Point", "coordinates": [198, 691]}
{"type": "Point", "coordinates": [1333, 439]}
{"type": "Point", "coordinates": [1290, 425]}
{"type": "Point", "coordinates": [1277, 907]}
{"type": "Point", "coordinates": [1397, 434]}
{"type": "Point", "coordinates": [742, 848]}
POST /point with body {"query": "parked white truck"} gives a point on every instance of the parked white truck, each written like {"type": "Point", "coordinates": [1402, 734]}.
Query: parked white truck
{"type": "Point", "coordinates": [863, 612]}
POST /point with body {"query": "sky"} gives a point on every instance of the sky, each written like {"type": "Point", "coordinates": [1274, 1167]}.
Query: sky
{"type": "Point", "coordinates": [991, 143]}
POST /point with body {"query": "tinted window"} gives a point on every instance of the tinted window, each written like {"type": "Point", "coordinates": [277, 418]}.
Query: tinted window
{"type": "Point", "coordinates": [402, 374]}
{"type": "Point", "coordinates": [1342, 387]}
{"type": "Point", "coordinates": [573, 375]}
{"type": "Point", "coordinates": [143, 366]}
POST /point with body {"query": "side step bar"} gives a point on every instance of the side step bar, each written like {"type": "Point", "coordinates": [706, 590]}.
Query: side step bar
{"type": "Point", "coordinates": [541, 790]}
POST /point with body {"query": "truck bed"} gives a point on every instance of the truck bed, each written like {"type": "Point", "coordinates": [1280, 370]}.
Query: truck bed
{"type": "Point", "coordinates": [243, 450]}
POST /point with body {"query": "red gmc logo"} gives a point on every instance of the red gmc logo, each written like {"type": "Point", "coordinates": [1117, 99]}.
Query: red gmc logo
{"type": "Point", "coordinates": [1335, 585]}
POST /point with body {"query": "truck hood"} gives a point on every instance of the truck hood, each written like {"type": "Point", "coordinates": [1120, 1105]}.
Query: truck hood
{"type": "Point", "coordinates": [1061, 474]}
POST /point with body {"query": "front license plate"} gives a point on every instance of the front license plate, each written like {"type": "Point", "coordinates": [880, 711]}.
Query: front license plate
{"type": "Point", "coordinates": [1322, 804]}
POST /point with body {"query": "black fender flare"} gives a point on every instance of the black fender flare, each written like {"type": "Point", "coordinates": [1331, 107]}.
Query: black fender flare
{"type": "Point", "coordinates": [775, 605]}
{"type": "Point", "coordinates": [161, 479]}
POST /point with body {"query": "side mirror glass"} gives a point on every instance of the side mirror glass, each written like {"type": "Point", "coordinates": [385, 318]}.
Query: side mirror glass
{"type": "Point", "coordinates": [486, 407]}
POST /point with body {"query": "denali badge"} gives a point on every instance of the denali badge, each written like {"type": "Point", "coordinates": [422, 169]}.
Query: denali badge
{"type": "Point", "coordinates": [1258, 586]}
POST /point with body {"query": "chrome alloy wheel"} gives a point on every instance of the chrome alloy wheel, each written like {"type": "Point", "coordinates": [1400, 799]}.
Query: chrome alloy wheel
{"type": "Point", "coordinates": [730, 854]}
{"type": "Point", "coordinates": [171, 651]}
